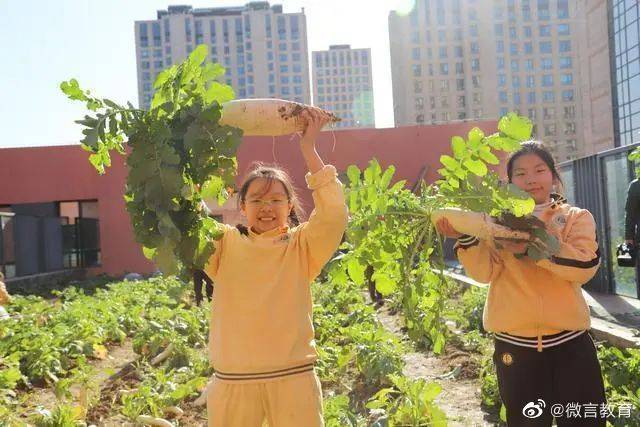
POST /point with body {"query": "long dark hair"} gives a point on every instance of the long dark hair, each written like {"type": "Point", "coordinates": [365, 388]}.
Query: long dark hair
{"type": "Point", "coordinates": [273, 174]}
{"type": "Point", "coordinates": [538, 148]}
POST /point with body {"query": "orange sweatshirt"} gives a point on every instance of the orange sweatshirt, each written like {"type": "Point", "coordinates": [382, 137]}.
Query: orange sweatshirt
{"type": "Point", "coordinates": [531, 299]}
{"type": "Point", "coordinates": [261, 319]}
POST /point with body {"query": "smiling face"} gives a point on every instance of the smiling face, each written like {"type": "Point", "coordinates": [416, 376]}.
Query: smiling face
{"type": "Point", "coordinates": [266, 205]}
{"type": "Point", "coordinates": [533, 175]}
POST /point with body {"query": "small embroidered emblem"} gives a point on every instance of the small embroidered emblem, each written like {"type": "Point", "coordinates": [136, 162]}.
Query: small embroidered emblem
{"type": "Point", "coordinates": [282, 238]}
{"type": "Point", "coordinates": [560, 220]}
{"type": "Point", "coordinates": [507, 359]}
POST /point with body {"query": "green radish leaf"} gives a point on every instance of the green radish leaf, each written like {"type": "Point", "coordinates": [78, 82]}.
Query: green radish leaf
{"type": "Point", "coordinates": [534, 253]}
{"type": "Point", "coordinates": [199, 54]}
{"type": "Point", "coordinates": [354, 203]}
{"type": "Point", "coordinates": [398, 186]}
{"type": "Point", "coordinates": [386, 177]}
{"type": "Point", "coordinates": [163, 77]}
{"type": "Point", "coordinates": [384, 284]}
{"type": "Point", "coordinates": [96, 161]}
{"type": "Point", "coordinates": [475, 137]}
{"type": "Point", "coordinates": [212, 71]}
{"type": "Point", "coordinates": [516, 127]}
{"type": "Point", "coordinates": [212, 187]}
{"type": "Point", "coordinates": [553, 244]}
{"type": "Point", "coordinates": [489, 157]}
{"type": "Point", "coordinates": [354, 174]}
{"type": "Point", "coordinates": [431, 391]}
{"type": "Point", "coordinates": [149, 253]}
{"type": "Point", "coordinates": [461, 174]}
{"type": "Point", "coordinates": [449, 162]}
{"type": "Point", "coordinates": [111, 104]}
{"type": "Point", "coordinates": [339, 277]}
{"type": "Point", "coordinates": [176, 152]}
{"type": "Point", "coordinates": [356, 271]}
{"type": "Point", "coordinates": [459, 147]}
{"type": "Point", "coordinates": [72, 90]}
{"type": "Point", "coordinates": [219, 93]}
{"type": "Point", "coordinates": [476, 166]}
{"type": "Point", "coordinates": [369, 176]}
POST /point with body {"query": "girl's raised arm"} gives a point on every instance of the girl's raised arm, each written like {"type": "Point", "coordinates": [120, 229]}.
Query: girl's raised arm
{"type": "Point", "coordinates": [322, 233]}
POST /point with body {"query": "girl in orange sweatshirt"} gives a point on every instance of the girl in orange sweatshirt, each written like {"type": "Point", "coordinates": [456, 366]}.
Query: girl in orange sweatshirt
{"type": "Point", "coordinates": [261, 338]}
{"type": "Point", "coordinates": [546, 361]}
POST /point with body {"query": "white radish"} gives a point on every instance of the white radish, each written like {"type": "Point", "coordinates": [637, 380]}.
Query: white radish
{"type": "Point", "coordinates": [154, 422]}
{"type": "Point", "coordinates": [477, 224]}
{"type": "Point", "coordinates": [267, 117]}
{"type": "Point", "coordinates": [174, 411]}
{"type": "Point", "coordinates": [162, 356]}
{"type": "Point", "coordinates": [202, 400]}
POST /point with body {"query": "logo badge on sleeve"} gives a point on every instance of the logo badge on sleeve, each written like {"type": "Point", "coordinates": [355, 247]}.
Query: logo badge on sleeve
{"type": "Point", "coordinates": [559, 220]}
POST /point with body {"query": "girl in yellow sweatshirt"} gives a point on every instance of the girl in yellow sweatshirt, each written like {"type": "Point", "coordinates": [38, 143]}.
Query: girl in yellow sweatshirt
{"type": "Point", "coordinates": [546, 361]}
{"type": "Point", "coordinates": [261, 338]}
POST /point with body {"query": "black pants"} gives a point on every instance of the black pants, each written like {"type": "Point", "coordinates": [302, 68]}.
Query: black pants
{"type": "Point", "coordinates": [532, 382]}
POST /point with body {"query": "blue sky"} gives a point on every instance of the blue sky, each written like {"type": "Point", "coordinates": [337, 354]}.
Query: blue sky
{"type": "Point", "coordinates": [45, 42]}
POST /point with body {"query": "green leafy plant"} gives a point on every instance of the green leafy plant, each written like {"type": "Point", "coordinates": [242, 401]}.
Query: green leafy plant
{"type": "Point", "coordinates": [409, 403]}
{"type": "Point", "coordinates": [467, 310]}
{"type": "Point", "coordinates": [621, 373]}
{"type": "Point", "coordinates": [61, 416]}
{"type": "Point", "coordinates": [391, 233]}
{"type": "Point", "coordinates": [467, 180]}
{"type": "Point", "coordinates": [338, 412]}
{"type": "Point", "coordinates": [393, 249]}
{"type": "Point", "coordinates": [378, 354]}
{"type": "Point", "coordinates": [178, 154]}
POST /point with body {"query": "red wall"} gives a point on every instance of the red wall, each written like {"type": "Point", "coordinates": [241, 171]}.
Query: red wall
{"type": "Point", "coordinates": [51, 174]}
{"type": "Point", "coordinates": [61, 173]}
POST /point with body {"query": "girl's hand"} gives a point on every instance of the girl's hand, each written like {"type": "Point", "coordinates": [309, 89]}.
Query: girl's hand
{"type": "Point", "coordinates": [444, 228]}
{"type": "Point", "coordinates": [315, 120]}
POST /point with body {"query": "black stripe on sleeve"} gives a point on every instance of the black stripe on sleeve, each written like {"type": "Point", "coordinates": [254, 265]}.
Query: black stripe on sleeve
{"type": "Point", "coordinates": [575, 263]}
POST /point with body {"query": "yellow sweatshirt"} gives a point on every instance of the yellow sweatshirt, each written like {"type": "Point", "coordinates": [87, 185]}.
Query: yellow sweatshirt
{"type": "Point", "coordinates": [261, 320]}
{"type": "Point", "coordinates": [531, 299]}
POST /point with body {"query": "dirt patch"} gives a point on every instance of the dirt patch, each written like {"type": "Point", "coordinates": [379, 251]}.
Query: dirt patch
{"type": "Point", "coordinates": [456, 371]}
{"type": "Point", "coordinates": [105, 411]}
{"type": "Point", "coordinates": [101, 413]}
{"type": "Point", "coordinates": [392, 321]}
{"type": "Point", "coordinates": [117, 357]}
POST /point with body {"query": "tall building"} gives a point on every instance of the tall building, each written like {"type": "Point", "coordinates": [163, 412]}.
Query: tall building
{"type": "Point", "coordinates": [342, 83]}
{"type": "Point", "coordinates": [436, 67]}
{"type": "Point", "coordinates": [459, 59]}
{"type": "Point", "coordinates": [595, 76]}
{"type": "Point", "coordinates": [263, 49]}
{"type": "Point", "coordinates": [625, 70]}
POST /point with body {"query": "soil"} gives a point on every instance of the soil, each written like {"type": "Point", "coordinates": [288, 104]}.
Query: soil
{"type": "Point", "coordinates": [457, 371]}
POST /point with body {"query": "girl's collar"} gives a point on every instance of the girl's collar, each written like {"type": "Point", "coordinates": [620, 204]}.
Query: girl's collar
{"type": "Point", "coordinates": [554, 201]}
{"type": "Point", "coordinates": [269, 234]}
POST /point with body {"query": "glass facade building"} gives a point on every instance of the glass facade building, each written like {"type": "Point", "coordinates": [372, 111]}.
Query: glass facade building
{"type": "Point", "coordinates": [625, 70]}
